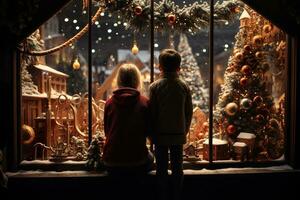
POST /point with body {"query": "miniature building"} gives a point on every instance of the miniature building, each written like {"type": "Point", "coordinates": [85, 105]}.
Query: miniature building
{"type": "Point", "coordinates": [35, 106]}
{"type": "Point", "coordinates": [58, 79]}
{"type": "Point", "coordinates": [244, 19]}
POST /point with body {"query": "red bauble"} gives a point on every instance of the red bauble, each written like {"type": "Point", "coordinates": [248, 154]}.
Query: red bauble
{"type": "Point", "coordinates": [171, 18]}
{"type": "Point", "coordinates": [243, 81]}
{"type": "Point", "coordinates": [138, 10]}
{"type": "Point", "coordinates": [246, 69]}
{"type": "Point", "coordinates": [230, 129]}
{"type": "Point", "coordinates": [247, 47]}
{"type": "Point", "coordinates": [257, 99]}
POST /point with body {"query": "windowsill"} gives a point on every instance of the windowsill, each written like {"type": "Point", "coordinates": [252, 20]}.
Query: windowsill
{"type": "Point", "coordinates": [187, 172]}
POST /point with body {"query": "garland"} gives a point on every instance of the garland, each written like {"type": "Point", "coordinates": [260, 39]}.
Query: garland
{"type": "Point", "coordinates": [67, 43]}
{"type": "Point", "coordinates": [167, 14]}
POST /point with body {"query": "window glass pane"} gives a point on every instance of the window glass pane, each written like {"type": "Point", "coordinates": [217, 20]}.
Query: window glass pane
{"type": "Point", "coordinates": [250, 60]}
{"type": "Point", "coordinates": [119, 36]}
{"type": "Point", "coordinates": [54, 90]}
{"type": "Point", "coordinates": [184, 27]}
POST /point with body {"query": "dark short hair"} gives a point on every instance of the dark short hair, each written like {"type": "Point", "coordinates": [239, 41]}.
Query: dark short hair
{"type": "Point", "coordinates": [169, 60]}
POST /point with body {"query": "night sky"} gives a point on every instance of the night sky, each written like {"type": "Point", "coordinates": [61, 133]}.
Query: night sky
{"type": "Point", "coordinates": [109, 34]}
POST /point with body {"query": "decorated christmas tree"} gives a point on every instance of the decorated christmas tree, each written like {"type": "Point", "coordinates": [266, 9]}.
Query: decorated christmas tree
{"type": "Point", "coordinates": [246, 106]}
{"type": "Point", "coordinates": [190, 72]}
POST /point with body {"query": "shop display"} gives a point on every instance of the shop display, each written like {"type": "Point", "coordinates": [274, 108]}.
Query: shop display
{"type": "Point", "coordinates": [248, 113]}
{"type": "Point", "coordinates": [249, 80]}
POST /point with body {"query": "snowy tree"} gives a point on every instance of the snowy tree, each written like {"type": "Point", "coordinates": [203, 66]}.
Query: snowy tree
{"type": "Point", "coordinates": [190, 73]}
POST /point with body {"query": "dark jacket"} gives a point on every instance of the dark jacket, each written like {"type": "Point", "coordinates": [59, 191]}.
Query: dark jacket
{"type": "Point", "coordinates": [126, 125]}
{"type": "Point", "coordinates": [171, 109]}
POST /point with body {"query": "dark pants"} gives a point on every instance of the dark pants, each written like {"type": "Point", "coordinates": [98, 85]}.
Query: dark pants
{"type": "Point", "coordinates": [176, 182]}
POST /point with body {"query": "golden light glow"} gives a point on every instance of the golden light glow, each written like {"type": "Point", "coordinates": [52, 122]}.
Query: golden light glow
{"type": "Point", "coordinates": [135, 49]}
{"type": "Point", "coordinates": [76, 64]}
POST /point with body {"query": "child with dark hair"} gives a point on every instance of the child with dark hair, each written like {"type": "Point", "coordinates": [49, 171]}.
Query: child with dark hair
{"type": "Point", "coordinates": [171, 114]}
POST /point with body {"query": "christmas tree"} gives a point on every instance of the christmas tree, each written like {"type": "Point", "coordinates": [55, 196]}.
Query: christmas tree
{"type": "Point", "coordinates": [190, 72]}
{"type": "Point", "coordinates": [246, 103]}
{"type": "Point", "coordinates": [32, 43]}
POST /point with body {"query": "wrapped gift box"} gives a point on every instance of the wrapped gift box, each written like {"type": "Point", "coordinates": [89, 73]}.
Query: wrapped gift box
{"type": "Point", "coordinates": [240, 150]}
{"type": "Point", "coordinates": [220, 149]}
{"type": "Point", "coordinates": [249, 139]}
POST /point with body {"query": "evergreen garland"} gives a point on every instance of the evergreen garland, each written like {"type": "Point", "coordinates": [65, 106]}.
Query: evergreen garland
{"type": "Point", "coordinates": [192, 18]}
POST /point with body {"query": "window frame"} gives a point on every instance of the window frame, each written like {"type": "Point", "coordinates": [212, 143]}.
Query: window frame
{"type": "Point", "coordinates": [290, 102]}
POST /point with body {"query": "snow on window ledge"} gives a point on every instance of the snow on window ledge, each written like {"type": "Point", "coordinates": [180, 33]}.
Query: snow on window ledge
{"type": "Point", "coordinates": [245, 170]}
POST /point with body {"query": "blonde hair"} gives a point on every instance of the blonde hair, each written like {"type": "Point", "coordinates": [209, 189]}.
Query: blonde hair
{"type": "Point", "coordinates": [129, 76]}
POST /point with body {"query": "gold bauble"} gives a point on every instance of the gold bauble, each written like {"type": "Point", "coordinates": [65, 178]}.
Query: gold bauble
{"type": "Point", "coordinates": [231, 109]}
{"type": "Point", "coordinates": [76, 64]}
{"type": "Point", "coordinates": [267, 28]}
{"type": "Point", "coordinates": [259, 55]}
{"type": "Point", "coordinates": [257, 40]}
{"type": "Point", "coordinates": [239, 56]}
{"type": "Point", "coordinates": [135, 49]}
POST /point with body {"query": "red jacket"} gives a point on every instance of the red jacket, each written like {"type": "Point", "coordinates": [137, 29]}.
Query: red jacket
{"type": "Point", "coordinates": [126, 125]}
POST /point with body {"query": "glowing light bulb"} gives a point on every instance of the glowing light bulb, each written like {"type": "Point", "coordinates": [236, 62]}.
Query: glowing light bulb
{"type": "Point", "coordinates": [135, 49]}
{"type": "Point", "coordinates": [76, 64]}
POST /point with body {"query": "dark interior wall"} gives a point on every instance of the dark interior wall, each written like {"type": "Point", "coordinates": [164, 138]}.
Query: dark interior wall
{"type": "Point", "coordinates": [202, 186]}
{"type": "Point", "coordinates": [284, 14]}
{"type": "Point", "coordinates": [20, 18]}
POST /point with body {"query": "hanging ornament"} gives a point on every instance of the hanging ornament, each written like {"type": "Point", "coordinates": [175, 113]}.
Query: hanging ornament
{"type": "Point", "coordinates": [267, 28]}
{"type": "Point", "coordinates": [244, 81]}
{"type": "Point", "coordinates": [259, 55]}
{"type": "Point", "coordinates": [230, 129]}
{"type": "Point", "coordinates": [265, 66]}
{"type": "Point", "coordinates": [135, 49]}
{"type": "Point", "coordinates": [231, 109]}
{"type": "Point", "coordinates": [257, 40]}
{"type": "Point", "coordinates": [76, 64]}
{"type": "Point", "coordinates": [259, 118]}
{"type": "Point", "coordinates": [247, 48]}
{"type": "Point", "coordinates": [274, 123]}
{"type": "Point", "coordinates": [171, 18]}
{"type": "Point", "coordinates": [246, 103]}
{"type": "Point", "coordinates": [239, 56]}
{"type": "Point", "coordinates": [257, 100]}
{"type": "Point", "coordinates": [138, 10]}
{"type": "Point", "coordinates": [246, 70]}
